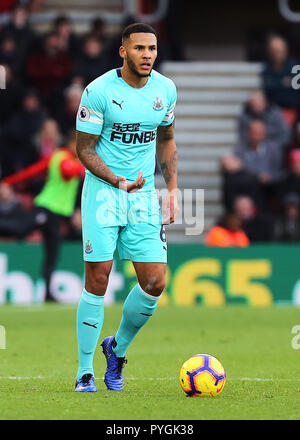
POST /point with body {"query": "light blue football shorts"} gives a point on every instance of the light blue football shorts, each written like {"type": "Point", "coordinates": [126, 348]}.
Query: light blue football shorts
{"type": "Point", "coordinates": [114, 219]}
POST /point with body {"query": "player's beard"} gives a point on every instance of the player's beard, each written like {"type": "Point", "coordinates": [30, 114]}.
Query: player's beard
{"type": "Point", "coordinates": [132, 67]}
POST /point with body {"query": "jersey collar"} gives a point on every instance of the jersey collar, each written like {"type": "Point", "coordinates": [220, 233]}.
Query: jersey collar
{"type": "Point", "coordinates": [119, 73]}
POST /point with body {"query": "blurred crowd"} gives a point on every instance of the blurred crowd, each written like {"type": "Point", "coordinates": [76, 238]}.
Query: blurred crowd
{"type": "Point", "coordinates": [45, 77]}
{"type": "Point", "coordinates": [261, 179]}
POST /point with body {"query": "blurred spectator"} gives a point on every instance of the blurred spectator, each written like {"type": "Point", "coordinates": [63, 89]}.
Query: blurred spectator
{"type": "Point", "coordinates": [11, 212]}
{"type": "Point", "coordinates": [14, 213]}
{"type": "Point", "coordinates": [21, 131]}
{"type": "Point", "coordinates": [170, 33]}
{"type": "Point", "coordinates": [34, 5]}
{"type": "Point", "coordinates": [294, 144]}
{"type": "Point", "coordinates": [98, 30]}
{"type": "Point", "coordinates": [49, 70]}
{"type": "Point", "coordinates": [21, 31]}
{"type": "Point", "coordinates": [258, 227]}
{"type": "Point", "coordinates": [10, 98]}
{"type": "Point", "coordinates": [287, 227]}
{"type": "Point", "coordinates": [256, 108]}
{"type": "Point", "coordinates": [290, 183]}
{"type": "Point", "coordinates": [68, 40]}
{"type": "Point", "coordinates": [55, 202]}
{"type": "Point", "coordinates": [112, 49]}
{"type": "Point", "coordinates": [6, 8]}
{"type": "Point", "coordinates": [93, 61]}
{"type": "Point", "coordinates": [9, 53]}
{"type": "Point", "coordinates": [10, 104]}
{"type": "Point", "coordinates": [277, 78]}
{"type": "Point", "coordinates": [253, 168]}
{"type": "Point", "coordinates": [66, 113]}
{"type": "Point", "coordinates": [48, 139]}
{"type": "Point", "coordinates": [7, 5]}
{"type": "Point", "coordinates": [228, 233]}
{"type": "Point", "coordinates": [9, 203]}
{"type": "Point", "coordinates": [75, 231]}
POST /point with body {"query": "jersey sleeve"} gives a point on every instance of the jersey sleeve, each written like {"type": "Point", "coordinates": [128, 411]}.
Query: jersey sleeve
{"type": "Point", "coordinates": [170, 114]}
{"type": "Point", "coordinates": [90, 115]}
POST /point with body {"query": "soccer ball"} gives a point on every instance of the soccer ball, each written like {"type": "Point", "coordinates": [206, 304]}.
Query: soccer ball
{"type": "Point", "coordinates": [202, 375]}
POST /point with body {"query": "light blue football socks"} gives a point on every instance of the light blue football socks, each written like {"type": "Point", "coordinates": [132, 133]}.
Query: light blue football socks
{"type": "Point", "coordinates": [138, 308]}
{"type": "Point", "coordinates": [90, 316]}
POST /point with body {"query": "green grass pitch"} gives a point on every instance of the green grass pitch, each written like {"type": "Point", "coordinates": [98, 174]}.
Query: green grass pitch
{"type": "Point", "coordinates": [38, 366]}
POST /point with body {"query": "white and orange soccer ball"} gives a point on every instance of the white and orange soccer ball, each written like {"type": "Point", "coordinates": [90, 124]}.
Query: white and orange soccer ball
{"type": "Point", "coordinates": [202, 375]}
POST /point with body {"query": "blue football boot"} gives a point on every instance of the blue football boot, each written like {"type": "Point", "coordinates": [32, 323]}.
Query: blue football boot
{"type": "Point", "coordinates": [113, 378]}
{"type": "Point", "coordinates": [86, 384]}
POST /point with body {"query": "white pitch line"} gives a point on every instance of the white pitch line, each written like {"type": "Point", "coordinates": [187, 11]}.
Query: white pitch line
{"type": "Point", "coordinates": [249, 379]}
{"type": "Point", "coordinates": [23, 377]}
{"type": "Point", "coordinates": [258, 379]}
{"type": "Point", "coordinates": [96, 378]}
{"type": "Point", "coordinates": [39, 308]}
{"type": "Point", "coordinates": [145, 378]}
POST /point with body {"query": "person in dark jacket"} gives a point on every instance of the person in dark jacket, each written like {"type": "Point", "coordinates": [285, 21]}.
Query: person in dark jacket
{"type": "Point", "coordinates": [290, 182]}
{"type": "Point", "coordinates": [49, 70]}
{"type": "Point", "coordinates": [24, 37]}
{"type": "Point", "coordinates": [253, 169]}
{"type": "Point", "coordinates": [277, 75]}
{"type": "Point", "coordinates": [257, 226]}
{"type": "Point", "coordinates": [21, 131]}
{"type": "Point", "coordinates": [257, 107]}
{"type": "Point", "coordinates": [93, 62]}
{"type": "Point", "coordinates": [69, 42]}
{"type": "Point", "coordinates": [66, 113]}
{"type": "Point", "coordinates": [9, 53]}
{"type": "Point", "coordinates": [287, 226]}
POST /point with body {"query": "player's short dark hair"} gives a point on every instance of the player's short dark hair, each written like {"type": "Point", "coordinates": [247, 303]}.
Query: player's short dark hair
{"type": "Point", "coordinates": [136, 28]}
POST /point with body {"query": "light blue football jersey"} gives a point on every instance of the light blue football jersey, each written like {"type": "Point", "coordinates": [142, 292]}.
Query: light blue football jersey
{"type": "Point", "coordinates": [127, 118]}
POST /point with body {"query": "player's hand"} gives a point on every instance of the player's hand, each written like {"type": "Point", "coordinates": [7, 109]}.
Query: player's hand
{"type": "Point", "coordinates": [170, 207]}
{"type": "Point", "coordinates": [138, 184]}
{"type": "Point", "coordinates": [123, 184]}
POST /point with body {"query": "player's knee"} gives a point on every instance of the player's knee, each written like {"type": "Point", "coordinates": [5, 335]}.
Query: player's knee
{"type": "Point", "coordinates": [97, 283]}
{"type": "Point", "coordinates": [154, 286]}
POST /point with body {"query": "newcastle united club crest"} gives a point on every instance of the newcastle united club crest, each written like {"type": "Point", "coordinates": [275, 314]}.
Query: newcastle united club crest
{"type": "Point", "coordinates": [158, 105]}
{"type": "Point", "coordinates": [88, 247]}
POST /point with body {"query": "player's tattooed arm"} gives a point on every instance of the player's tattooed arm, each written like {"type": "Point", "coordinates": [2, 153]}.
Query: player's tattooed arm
{"type": "Point", "coordinates": [85, 147]}
{"type": "Point", "coordinates": [167, 155]}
